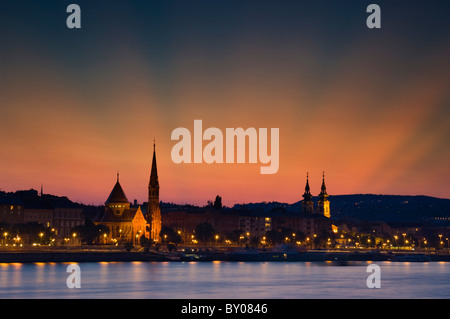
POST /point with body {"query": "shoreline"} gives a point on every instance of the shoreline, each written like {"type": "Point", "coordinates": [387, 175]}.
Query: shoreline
{"type": "Point", "coordinates": [123, 256]}
{"type": "Point", "coordinates": [76, 257]}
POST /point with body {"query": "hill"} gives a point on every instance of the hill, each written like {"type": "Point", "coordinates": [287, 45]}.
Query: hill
{"type": "Point", "coordinates": [369, 207]}
{"type": "Point", "coordinates": [356, 207]}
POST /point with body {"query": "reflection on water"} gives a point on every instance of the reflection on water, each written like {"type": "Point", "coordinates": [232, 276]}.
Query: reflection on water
{"type": "Point", "coordinates": [225, 280]}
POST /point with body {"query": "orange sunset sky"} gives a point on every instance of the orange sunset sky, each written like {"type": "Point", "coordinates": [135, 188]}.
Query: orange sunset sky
{"type": "Point", "coordinates": [371, 108]}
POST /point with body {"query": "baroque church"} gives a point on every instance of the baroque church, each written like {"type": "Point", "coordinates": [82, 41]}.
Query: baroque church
{"type": "Point", "coordinates": [323, 204]}
{"type": "Point", "coordinates": [129, 224]}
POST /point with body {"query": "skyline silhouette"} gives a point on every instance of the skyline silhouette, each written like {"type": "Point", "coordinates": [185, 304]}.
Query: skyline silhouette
{"type": "Point", "coordinates": [368, 107]}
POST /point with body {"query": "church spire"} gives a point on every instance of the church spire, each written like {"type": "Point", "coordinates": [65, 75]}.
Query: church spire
{"type": "Point", "coordinates": [323, 189]}
{"type": "Point", "coordinates": [153, 210]}
{"type": "Point", "coordinates": [154, 172]}
{"type": "Point", "coordinates": [324, 204]}
{"type": "Point", "coordinates": [307, 203]}
{"type": "Point", "coordinates": [307, 195]}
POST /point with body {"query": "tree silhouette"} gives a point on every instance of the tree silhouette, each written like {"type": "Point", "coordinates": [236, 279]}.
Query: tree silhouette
{"type": "Point", "coordinates": [89, 232]}
{"type": "Point", "coordinates": [204, 232]}
{"type": "Point", "coordinates": [218, 202]}
{"type": "Point", "coordinates": [32, 231]}
{"type": "Point", "coordinates": [168, 235]}
{"type": "Point", "coordinates": [276, 237]}
{"type": "Point", "coordinates": [235, 236]}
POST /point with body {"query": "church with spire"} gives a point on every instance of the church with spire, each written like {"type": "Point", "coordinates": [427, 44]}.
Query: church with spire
{"type": "Point", "coordinates": [127, 223]}
{"type": "Point", "coordinates": [323, 204]}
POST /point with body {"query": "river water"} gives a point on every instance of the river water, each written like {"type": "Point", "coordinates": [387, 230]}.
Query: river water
{"type": "Point", "coordinates": [262, 280]}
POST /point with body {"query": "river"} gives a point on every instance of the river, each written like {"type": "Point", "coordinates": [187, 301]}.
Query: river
{"type": "Point", "coordinates": [249, 280]}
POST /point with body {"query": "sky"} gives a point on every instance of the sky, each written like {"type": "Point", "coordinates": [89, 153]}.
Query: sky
{"type": "Point", "coordinates": [369, 107]}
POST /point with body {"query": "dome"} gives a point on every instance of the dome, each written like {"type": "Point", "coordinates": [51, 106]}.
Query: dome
{"type": "Point", "coordinates": [117, 195]}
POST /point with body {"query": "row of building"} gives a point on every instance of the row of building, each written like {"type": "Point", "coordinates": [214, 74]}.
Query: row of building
{"type": "Point", "coordinates": [129, 222]}
{"type": "Point", "coordinates": [58, 213]}
{"type": "Point", "coordinates": [248, 223]}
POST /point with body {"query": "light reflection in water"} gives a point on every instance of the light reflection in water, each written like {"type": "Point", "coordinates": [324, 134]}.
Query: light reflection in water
{"type": "Point", "coordinates": [225, 280]}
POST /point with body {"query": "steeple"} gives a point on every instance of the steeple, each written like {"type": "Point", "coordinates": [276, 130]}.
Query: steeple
{"type": "Point", "coordinates": [153, 210]}
{"type": "Point", "coordinates": [154, 172]}
{"type": "Point", "coordinates": [323, 190]}
{"type": "Point", "coordinates": [307, 203]}
{"type": "Point", "coordinates": [323, 203]}
{"type": "Point", "coordinates": [307, 194]}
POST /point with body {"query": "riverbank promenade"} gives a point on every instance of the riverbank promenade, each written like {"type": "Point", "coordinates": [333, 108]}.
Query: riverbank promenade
{"type": "Point", "coordinates": [117, 254]}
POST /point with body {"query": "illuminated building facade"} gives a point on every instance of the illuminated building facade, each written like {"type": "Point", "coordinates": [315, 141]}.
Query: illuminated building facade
{"type": "Point", "coordinates": [129, 224]}
{"type": "Point", "coordinates": [323, 204]}
{"type": "Point", "coordinates": [126, 224]}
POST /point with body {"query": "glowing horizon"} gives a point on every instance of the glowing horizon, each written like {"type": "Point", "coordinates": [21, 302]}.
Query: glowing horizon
{"type": "Point", "coordinates": [371, 109]}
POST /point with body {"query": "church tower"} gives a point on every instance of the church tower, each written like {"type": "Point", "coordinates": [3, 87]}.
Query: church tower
{"type": "Point", "coordinates": [307, 203]}
{"type": "Point", "coordinates": [154, 211]}
{"type": "Point", "coordinates": [324, 203]}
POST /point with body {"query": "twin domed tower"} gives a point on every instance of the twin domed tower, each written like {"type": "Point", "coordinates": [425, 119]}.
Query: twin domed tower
{"type": "Point", "coordinates": [323, 205]}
